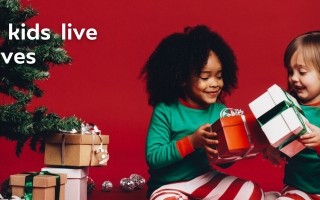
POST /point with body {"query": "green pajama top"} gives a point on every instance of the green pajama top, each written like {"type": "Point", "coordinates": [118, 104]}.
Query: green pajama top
{"type": "Point", "coordinates": [166, 143]}
{"type": "Point", "coordinates": [303, 169]}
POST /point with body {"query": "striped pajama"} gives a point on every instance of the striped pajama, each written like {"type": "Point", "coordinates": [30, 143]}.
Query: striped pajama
{"type": "Point", "coordinates": [290, 193]}
{"type": "Point", "coordinates": [210, 186]}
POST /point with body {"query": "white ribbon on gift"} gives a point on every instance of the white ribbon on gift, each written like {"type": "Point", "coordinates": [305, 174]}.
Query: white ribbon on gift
{"type": "Point", "coordinates": [229, 112]}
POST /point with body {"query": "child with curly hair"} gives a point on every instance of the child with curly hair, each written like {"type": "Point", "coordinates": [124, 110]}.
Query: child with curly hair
{"type": "Point", "coordinates": [302, 171]}
{"type": "Point", "coordinates": [187, 78]}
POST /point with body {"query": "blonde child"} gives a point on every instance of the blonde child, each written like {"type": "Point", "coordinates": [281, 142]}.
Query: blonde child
{"type": "Point", "coordinates": [187, 76]}
{"type": "Point", "coordinates": [302, 171]}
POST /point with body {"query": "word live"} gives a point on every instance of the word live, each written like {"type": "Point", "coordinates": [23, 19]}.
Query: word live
{"type": "Point", "coordinates": [67, 32]}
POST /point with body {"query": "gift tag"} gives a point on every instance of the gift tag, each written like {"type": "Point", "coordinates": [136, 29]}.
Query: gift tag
{"type": "Point", "coordinates": [102, 155]}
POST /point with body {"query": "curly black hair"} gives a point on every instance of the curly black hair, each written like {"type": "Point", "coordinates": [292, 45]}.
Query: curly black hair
{"type": "Point", "coordinates": [182, 55]}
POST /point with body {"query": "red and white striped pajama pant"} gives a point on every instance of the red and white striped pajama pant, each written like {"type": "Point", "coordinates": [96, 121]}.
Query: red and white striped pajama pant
{"type": "Point", "coordinates": [290, 193]}
{"type": "Point", "coordinates": [210, 186]}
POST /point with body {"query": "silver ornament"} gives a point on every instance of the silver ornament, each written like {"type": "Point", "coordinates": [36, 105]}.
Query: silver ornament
{"type": "Point", "coordinates": [138, 180]}
{"type": "Point", "coordinates": [127, 185]}
{"type": "Point", "coordinates": [107, 186]}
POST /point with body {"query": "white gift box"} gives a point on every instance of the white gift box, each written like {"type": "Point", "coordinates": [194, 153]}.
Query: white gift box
{"type": "Point", "coordinates": [76, 186]}
{"type": "Point", "coordinates": [279, 116]}
{"type": "Point", "coordinates": [273, 96]}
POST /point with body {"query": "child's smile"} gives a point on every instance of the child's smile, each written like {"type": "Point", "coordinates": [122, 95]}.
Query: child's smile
{"type": "Point", "coordinates": [213, 94]}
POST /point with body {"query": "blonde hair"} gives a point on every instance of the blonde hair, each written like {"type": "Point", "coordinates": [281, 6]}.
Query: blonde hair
{"type": "Point", "coordinates": [309, 45]}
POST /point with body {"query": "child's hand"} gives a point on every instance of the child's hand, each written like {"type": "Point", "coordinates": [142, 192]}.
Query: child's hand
{"type": "Point", "coordinates": [312, 140]}
{"type": "Point", "coordinates": [273, 154]}
{"type": "Point", "coordinates": [203, 138]}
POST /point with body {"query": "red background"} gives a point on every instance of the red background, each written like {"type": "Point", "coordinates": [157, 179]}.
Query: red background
{"type": "Point", "coordinates": [102, 85]}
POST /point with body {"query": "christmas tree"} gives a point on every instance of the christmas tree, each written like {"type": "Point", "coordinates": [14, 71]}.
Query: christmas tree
{"type": "Point", "coordinates": [18, 78]}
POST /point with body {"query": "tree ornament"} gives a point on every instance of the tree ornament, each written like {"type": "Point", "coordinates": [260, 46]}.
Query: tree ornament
{"type": "Point", "coordinates": [138, 180]}
{"type": "Point", "coordinates": [107, 186]}
{"type": "Point", "coordinates": [91, 186]}
{"type": "Point", "coordinates": [127, 185]}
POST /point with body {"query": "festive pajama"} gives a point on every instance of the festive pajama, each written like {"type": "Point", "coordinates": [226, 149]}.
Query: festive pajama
{"type": "Point", "coordinates": [210, 186]}
{"type": "Point", "coordinates": [290, 193]}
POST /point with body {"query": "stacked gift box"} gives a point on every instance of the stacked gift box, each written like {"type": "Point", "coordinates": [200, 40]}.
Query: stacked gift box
{"type": "Point", "coordinates": [281, 119]}
{"type": "Point", "coordinates": [76, 187]}
{"type": "Point", "coordinates": [76, 150]}
{"type": "Point", "coordinates": [68, 155]}
{"type": "Point", "coordinates": [39, 185]}
{"type": "Point", "coordinates": [239, 136]}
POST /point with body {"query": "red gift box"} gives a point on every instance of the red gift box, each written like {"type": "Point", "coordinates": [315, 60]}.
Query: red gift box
{"type": "Point", "coordinates": [239, 137]}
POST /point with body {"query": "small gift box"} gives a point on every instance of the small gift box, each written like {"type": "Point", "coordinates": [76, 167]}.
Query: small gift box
{"type": "Point", "coordinates": [76, 150]}
{"type": "Point", "coordinates": [281, 119]}
{"type": "Point", "coordinates": [239, 137]}
{"type": "Point", "coordinates": [39, 186]}
{"type": "Point", "coordinates": [76, 186]}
